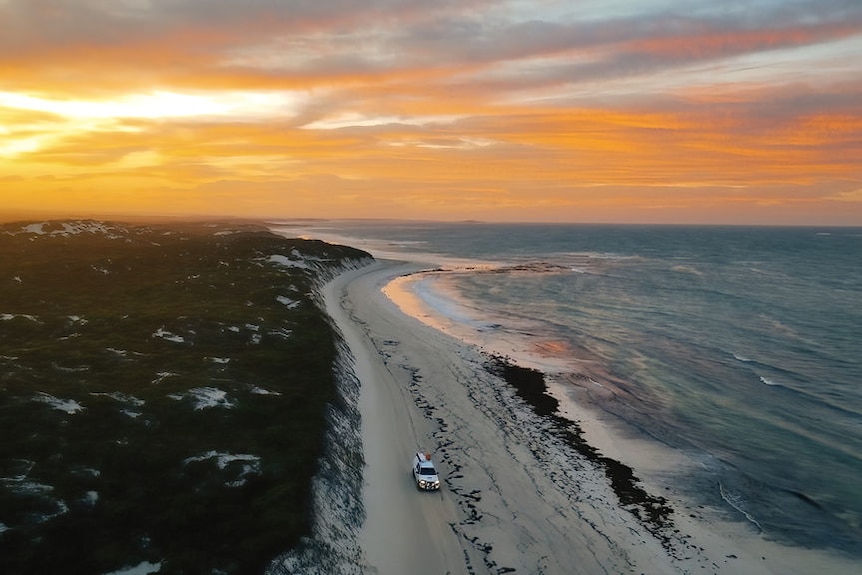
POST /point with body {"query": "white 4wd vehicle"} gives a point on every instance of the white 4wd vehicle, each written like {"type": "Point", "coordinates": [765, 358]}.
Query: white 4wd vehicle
{"type": "Point", "coordinates": [424, 473]}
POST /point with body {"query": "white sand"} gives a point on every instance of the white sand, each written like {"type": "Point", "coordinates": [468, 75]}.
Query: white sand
{"type": "Point", "coordinates": [514, 498]}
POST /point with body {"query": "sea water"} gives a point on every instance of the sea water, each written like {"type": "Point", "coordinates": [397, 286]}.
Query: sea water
{"type": "Point", "coordinates": [739, 345]}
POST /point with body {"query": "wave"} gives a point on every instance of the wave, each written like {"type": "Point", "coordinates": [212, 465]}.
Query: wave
{"type": "Point", "coordinates": [686, 269]}
{"type": "Point", "coordinates": [737, 502]}
{"type": "Point", "coordinates": [771, 382]}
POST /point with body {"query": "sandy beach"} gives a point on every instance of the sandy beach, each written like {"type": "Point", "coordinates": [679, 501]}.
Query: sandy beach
{"type": "Point", "coordinates": [515, 497]}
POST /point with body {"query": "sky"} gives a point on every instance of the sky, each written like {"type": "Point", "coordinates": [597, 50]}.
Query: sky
{"type": "Point", "coordinates": [635, 111]}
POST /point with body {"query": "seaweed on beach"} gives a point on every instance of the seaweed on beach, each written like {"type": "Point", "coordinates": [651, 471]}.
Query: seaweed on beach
{"type": "Point", "coordinates": [164, 393]}
{"type": "Point", "coordinates": [529, 384]}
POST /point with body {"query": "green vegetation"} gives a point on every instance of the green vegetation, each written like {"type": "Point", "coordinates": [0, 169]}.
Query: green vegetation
{"type": "Point", "coordinates": [162, 395]}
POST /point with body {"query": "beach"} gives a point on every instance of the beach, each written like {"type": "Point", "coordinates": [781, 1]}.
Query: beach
{"type": "Point", "coordinates": [516, 498]}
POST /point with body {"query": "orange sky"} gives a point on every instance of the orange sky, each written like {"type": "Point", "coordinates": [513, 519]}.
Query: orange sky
{"type": "Point", "coordinates": [543, 110]}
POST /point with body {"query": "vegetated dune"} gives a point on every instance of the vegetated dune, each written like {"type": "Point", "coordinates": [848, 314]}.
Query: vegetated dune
{"type": "Point", "coordinates": [164, 394]}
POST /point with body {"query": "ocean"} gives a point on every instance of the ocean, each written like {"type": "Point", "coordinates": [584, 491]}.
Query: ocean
{"type": "Point", "coordinates": [739, 346]}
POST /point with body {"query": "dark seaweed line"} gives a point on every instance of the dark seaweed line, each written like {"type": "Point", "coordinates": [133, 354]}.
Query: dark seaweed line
{"type": "Point", "coordinates": [652, 511]}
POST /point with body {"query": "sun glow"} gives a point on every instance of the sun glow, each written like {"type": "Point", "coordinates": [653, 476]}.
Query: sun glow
{"type": "Point", "coordinates": [157, 104]}
{"type": "Point", "coordinates": [36, 123]}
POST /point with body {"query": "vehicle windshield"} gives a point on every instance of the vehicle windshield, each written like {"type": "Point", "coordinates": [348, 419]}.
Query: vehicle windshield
{"type": "Point", "coordinates": [427, 471]}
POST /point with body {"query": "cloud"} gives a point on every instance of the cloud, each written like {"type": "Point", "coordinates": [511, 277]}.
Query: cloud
{"type": "Point", "coordinates": [848, 196]}
{"type": "Point", "coordinates": [448, 102]}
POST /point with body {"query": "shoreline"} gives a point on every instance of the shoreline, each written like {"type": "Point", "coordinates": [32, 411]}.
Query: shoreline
{"type": "Point", "coordinates": [722, 544]}
{"type": "Point", "coordinates": [592, 532]}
